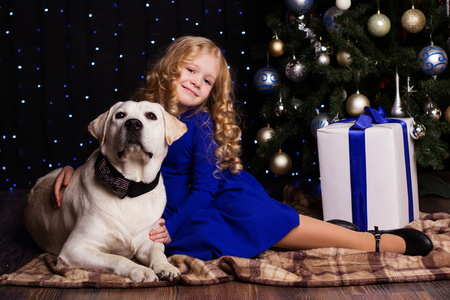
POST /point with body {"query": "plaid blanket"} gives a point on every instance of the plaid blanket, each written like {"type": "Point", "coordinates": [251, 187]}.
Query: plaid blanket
{"type": "Point", "coordinates": [311, 268]}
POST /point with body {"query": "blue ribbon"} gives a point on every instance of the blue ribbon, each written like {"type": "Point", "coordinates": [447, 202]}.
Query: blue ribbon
{"type": "Point", "coordinates": [357, 148]}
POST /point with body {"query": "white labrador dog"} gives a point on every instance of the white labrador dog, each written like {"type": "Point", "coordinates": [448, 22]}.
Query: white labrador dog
{"type": "Point", "coordinates": [114, 199]}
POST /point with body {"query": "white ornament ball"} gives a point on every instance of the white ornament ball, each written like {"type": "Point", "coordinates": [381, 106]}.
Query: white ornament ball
{"type": "Point", "coordinates": [379, 25]}
{"type": "Point", "coordinates": [264, 134]}
{"type": "Point", "coordinates": [280, 163]}
{"type": "Point", "coordinates": [266, 80]}
{"type": "Point", "coordinates": [323, 59]}
{"type": "Point", "coordinates": [433, 60]}
{"type": "Point", "coordinates": [319, 121]}
{"type": "Point", "coordinates": [329, 18]}
{"type": "Point", "coordinates": [299, 6]}
{"type": "Point", "coordinates": [343, 4]}
{"type": "Point", "coordinates": [355, 104]}
{"type": "Point", "coordinates": [296, 71]}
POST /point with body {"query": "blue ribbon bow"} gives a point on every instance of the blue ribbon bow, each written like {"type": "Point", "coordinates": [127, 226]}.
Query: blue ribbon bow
{"type": "Point", "coordinates": [357, 147]}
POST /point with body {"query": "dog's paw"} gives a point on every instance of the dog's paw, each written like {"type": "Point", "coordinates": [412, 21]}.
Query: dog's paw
{"type": "Point", "coordinates": [166, 271]}
{"type": "Point", "coordinates": [143, 274]}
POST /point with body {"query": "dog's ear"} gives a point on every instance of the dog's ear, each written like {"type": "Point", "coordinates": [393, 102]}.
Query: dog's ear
{"type": "Point", "coordinates": [174, 128]}
{"type": "Point", "coordinates": [98, 127]}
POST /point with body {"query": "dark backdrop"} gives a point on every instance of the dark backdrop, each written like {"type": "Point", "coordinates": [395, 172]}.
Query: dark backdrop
{"type": "Point", "coordinates": [64, 62]}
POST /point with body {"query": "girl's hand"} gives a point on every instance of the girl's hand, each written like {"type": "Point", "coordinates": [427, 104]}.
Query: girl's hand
{"type": "Point", "coordinates": [160, 234]}
{"type": "Point", "coordinates": [61, 182]}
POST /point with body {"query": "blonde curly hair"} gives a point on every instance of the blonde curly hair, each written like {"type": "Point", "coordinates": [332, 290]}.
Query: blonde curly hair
{"type": "Point", "coordinates": [160, 87]}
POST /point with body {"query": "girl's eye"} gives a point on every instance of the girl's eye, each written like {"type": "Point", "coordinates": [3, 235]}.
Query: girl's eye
{"type": "Point", "coordinates": [151, 116]}
{"type": "Point", "coordinates": [120, 115]}
{"type": "Point", "coordinates": [207, 81]}
{"type": "Point", "coordinates": [190, 70]}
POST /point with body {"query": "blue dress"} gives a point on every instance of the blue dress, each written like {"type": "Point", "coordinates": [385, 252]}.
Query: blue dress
{"type": "Point", "coordinates": [211, 215]}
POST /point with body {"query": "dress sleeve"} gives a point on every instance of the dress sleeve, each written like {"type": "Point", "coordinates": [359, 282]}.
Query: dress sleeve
{"type": "Point", "coordinates": [204, 184]}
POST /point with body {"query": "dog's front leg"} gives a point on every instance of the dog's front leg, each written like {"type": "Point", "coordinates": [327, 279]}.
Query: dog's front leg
{"type": "Point", "coordinates": [152, 254]}
{"type": "Point", "coordinates": [85, 257]}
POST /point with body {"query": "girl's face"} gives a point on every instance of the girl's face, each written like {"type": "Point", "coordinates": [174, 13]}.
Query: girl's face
{"type": "Point", "coordinates": [196, 81]}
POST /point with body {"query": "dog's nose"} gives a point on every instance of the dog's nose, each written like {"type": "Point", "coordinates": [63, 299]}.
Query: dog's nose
{"type": "Point", "coordinates": [133, 125]}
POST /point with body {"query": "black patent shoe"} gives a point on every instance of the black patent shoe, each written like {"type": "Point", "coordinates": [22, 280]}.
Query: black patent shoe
{"type": "Point", "coordinates": [344, 224]}
{"type": "Point", "coordinates": [417, 242]}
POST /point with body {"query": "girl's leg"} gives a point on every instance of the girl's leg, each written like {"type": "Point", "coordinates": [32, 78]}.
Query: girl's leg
{"type": "Point", "coordinates": [314, 233]}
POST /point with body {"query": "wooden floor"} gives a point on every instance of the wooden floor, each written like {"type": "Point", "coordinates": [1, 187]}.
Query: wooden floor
{"type": "Point", "coordinates": [17, 249]}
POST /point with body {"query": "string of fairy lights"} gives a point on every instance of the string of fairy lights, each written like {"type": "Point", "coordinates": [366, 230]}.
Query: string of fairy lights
{"type": "Point", "coordinates": [65, 62]}
{"type": "Point", "coordinates": [100, 42]}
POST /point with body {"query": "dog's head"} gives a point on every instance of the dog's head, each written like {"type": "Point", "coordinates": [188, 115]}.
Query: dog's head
{"type": "Point", "coordinates": [134, 137]}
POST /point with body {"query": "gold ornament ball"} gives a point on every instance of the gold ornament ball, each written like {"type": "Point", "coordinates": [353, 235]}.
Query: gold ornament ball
{"type": "Point", "coordinates": [413, 20]}
{"type": "Point", "coordinates": [379, 25]}
{"type": "Point", "coordinates": [355, 104]}
{"type": "Point", "coordinates": [263, 135]}
{"type": "Point", "coordinates": [276, 47]}
{"type": "Point", "coordinates": [447, 115]}
{"type": "Point", "coordinates": [343, 58]}
{"type": "Point", "coordinates": [280, 163]}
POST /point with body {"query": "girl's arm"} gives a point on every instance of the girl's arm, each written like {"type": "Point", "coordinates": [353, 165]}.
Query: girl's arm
{"type": "Point", "coordinates": [62, 181]}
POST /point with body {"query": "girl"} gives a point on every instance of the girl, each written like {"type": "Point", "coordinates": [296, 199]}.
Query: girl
{"type": "Point", "coordinates": [214, 208]}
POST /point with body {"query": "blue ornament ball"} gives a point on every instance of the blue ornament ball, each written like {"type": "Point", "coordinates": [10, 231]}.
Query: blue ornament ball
{"type": "Point", "coordinates": [433, 60]}
{"type": "Point", "coordinates": [299, 6]}
{"type": "Point", "coordinates": [266, 80]}
{"type": "Point", "coordinates": [319, 121]}
{"type": "Point", "coordinates": [328, 18]}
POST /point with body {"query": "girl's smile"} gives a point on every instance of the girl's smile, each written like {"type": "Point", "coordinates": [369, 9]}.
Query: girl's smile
{"type": "Point", "coordinates": [196, 81]}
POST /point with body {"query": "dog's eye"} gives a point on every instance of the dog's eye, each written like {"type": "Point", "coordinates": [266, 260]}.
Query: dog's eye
{"type": "Point", "coordinates": [120, 115]}
{"type": "Point", "coordinates": [151, 116]}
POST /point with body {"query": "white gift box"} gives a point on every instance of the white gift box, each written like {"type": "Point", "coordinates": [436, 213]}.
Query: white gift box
{"type": "Point", "coordinates": [390, 204]}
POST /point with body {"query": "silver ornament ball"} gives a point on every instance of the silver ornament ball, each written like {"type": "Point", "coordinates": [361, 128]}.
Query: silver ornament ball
{"type": "Point", "coordinates": [329, 18]}
{"type": "Point", "coordinates": [429, 104]}
{"type": "Point", "coordinates": [279, 109]}
{"type": "Point", "coordinates": [433, 60]}
{"type": "Point", "coordinates": [296, 104]}
{"type": "Point", "coordinates": [299, 6]}
{"type": "Point", "coordinates": [296, 71]}
{"type": "Point", "coordinates": [266, 80]}
{"type": "Point", "coordinates": [319, 121]}
{"type": "Point", "coordinates": [418, 131]}
{"type": "Point", "coordinates": [434, 112]}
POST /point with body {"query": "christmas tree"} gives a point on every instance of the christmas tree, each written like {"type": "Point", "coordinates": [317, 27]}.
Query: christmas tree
{"type": "Point", "coordinates": [327, 59]}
